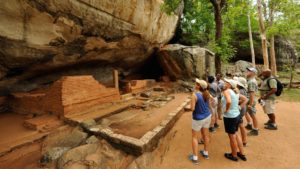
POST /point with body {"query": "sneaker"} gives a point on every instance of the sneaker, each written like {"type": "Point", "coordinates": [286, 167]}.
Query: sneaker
{"type": "Point", "coordinates": [216, 125]}
{"type": "Point", "coordinates": [212, 129]}
{"type": "Point", "coordinates": [271, 127]}
{"type": "Point", "coordinates": [253, 133]}
{"type": "Point", "coordinates": [245, 144]}
{"type": "Point", "coordinates": [241, 156]}
{"type": "Point", "coordinates": [249, 127]}
{"type": "Point", "coordinates": [230, 157]}
{"type": "Point", "coordinates": [268, 122]}
{"type": "Point", "coordinates": [192, 160]}
{"type": "Point", "coordinates": [204, 155]}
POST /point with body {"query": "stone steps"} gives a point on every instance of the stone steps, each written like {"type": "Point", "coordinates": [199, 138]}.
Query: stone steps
{"type": "Point", "coordinates": [102, 112]}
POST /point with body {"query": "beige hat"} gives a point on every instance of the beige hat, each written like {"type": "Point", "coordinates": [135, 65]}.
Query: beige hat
{"type": "Point", "coordinates": [202, 83]}
{"type": "Point", "coordinates": [232, 82]}
{"type": "Point", "coordinates": [242, 82]}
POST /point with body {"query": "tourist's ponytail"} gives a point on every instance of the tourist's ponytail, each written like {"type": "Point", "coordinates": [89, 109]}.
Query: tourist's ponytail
{"type": "Point", "coordinates": [205, 94]}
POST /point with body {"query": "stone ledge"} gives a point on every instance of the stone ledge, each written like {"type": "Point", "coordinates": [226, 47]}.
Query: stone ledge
{"type": "Point", "coordinates": [148, 142]}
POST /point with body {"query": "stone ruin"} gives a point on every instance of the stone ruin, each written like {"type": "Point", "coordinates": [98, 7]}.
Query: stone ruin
{"type": "Point", "coordinates": [69, 95]}
{"type": "Point", "coordinates": [133, 122]}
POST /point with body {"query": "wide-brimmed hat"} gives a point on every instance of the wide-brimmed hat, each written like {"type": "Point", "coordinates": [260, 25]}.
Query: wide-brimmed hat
{"type": "Point", "coordinates": [232, 82]}
{"type": "Point", "coordinates": [202, 83]}
{"type": "Point", "coordinates": [242, 82]}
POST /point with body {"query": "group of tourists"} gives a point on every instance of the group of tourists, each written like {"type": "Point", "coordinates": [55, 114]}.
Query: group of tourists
{"type": "Point", "coordinates": [230, 100]}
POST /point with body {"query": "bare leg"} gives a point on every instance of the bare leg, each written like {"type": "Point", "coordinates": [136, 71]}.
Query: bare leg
{"type": "Point", "coordinates": [243, 133]}
{"type": "Point", "coordinates": [213, 120]}
{"type": "Point", "coordinates": [248, 118]}
{"type": "Point", "coordinates": [254, 119]}
{"type": "Point", "coordinates": [205, 135]}
{"type": "Point", "coordinates": [233, 144]}
{"type": "Point", "coordinates": [239, 144]}
{"type": "Point", "coordinates": [194, 143]}
{"type": "Point", "coordinates": [272, 118]}
{"type": "Point", "coordinates": [216, 116]}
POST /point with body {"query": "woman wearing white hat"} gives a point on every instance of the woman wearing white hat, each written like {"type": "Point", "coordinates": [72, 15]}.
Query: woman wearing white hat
{"type": "Point", "coordinates": [201, 119]}
{"type": "Point", "coordinates": [232, 119]}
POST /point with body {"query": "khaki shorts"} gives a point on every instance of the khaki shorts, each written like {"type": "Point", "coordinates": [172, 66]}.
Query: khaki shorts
{"type": "Point", "coordinates": [197, 125]}
{"type": "Point", "coordinates": [214, 107]}
{"type": "Point", "coordinates": [269, 107]}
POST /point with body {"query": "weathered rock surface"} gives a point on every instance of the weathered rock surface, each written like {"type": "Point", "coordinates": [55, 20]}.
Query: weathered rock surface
{"type": "Point", "coordinates": [64, 138]}
{"type": "Point", "coordinates": [45, 37]}
{"type": "Point", "coordinates": [239, 68]}
{"type": "Point", "coordinates": [284, 49]}
{"type": "Point", "coordinates": [186, 62]}
{"type": "Point", "coordinates": [97, 156]}
{"type": "Point", "coordinates": [59, 142]}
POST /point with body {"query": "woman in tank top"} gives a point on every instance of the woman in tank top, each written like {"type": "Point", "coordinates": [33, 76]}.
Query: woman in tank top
{"type": "Point", "coordinates": [201, 119]}
{"type": "Point", "coordinates": [231, 100]}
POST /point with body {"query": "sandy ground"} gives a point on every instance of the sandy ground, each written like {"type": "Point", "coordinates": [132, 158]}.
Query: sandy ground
{"type": "Point", "coordinates": [270, 150]}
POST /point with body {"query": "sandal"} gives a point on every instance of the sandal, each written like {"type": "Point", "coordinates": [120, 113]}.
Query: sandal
{"type": "Point", "coordinates": [241, 156]}
{"type": "Point", "coordinates": [230, 157]}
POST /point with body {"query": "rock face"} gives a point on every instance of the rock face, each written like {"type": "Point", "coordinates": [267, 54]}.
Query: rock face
{"type": "Point", "coordinates": [40, 37]}
{"type": "Point", "coordinates": [285, 51]}
{"type": "Point", "coordinates": [186, 62]}
{"type": "Point", "coordinates": [97, 156]}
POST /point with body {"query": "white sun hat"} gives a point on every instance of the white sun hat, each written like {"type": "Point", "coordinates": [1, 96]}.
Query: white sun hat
{"type": "Point", "coordinates": [242, 82]}
{"type": "Point", "coordinates": [232, 82]}
{"type": "Point", "coordinates": [202, 83]}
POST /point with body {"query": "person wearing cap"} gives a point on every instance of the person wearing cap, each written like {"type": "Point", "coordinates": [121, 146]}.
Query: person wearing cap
{"type": "Point", "coordinates": [268, 89]}
{"type": "Point", "coordinates": [242, 86]}
{"type": "Point", "coordinates": [201, 119]}
{"type": "Point", "coordinates": [231, 119]}
{"type": "Point", "coordinates": [251, 110]}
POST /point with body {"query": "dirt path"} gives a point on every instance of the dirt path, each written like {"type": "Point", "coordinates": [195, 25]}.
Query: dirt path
{"type": "Point", "coordinates": [270, 150]}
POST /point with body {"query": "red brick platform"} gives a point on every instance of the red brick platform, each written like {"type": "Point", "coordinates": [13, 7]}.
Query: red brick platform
{"type": "Point", "coordinates": [69, 95]}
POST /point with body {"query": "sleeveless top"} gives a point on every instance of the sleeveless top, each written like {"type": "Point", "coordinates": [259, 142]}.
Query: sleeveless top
{"type": "Point", "coordinates": [234, 107]}
{"type": "Point", "coordinates": [201, 108]}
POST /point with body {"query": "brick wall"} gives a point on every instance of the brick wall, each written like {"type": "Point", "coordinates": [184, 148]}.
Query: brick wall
{"type": "Point", "coordinates": [70, 94]}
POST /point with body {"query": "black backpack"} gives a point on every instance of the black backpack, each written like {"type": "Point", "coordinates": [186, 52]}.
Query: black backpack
{"type": "Point", "coordinates": [279, 86]}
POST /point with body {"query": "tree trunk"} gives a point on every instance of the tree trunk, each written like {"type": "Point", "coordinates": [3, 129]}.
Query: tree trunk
{"type": "Point", "coordinates": [292, 69]}
{"type": "Point", "coordinates": [272, 56]}
{"type": "Point", "coordinates": [251, 40]}
{"type": "Point", "coordinates": [218, 5]}
{"type": "Point", "coordinates": [272, 41]}
{"type": "Point", "coordinates": [263, 35]}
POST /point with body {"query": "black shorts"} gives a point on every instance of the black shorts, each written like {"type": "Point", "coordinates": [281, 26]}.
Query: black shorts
{"type": "Point", "coordinates": [231, 124]}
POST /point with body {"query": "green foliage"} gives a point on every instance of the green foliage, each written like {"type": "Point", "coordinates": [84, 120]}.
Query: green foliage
{"type": "Point", "coordinates": [286, 17]}
{"type": "Point", "coordinates": [197, 22]}
{"type": "Point", "coordinates": [198, 26]}
{"type": "Point", "coordinates": [169, 6]}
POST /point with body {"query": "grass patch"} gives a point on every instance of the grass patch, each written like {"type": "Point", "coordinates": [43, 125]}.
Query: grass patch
{"type": "Point", "coordinates": [290, 95]}
{"type": "Point", "coordinates": [284, 76]}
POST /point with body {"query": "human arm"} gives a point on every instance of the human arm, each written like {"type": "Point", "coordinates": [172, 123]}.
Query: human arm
{"type": "Point", "coordinates": [242, 101]}
{"type": "Point", "coordinates": [251, 98]}
{"type": "Point", "coordinates": [193, 102]}
{"type": "Point", "coordinates": [228, 100]}
{"type": "Point", "coordinates": [273, 87]}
